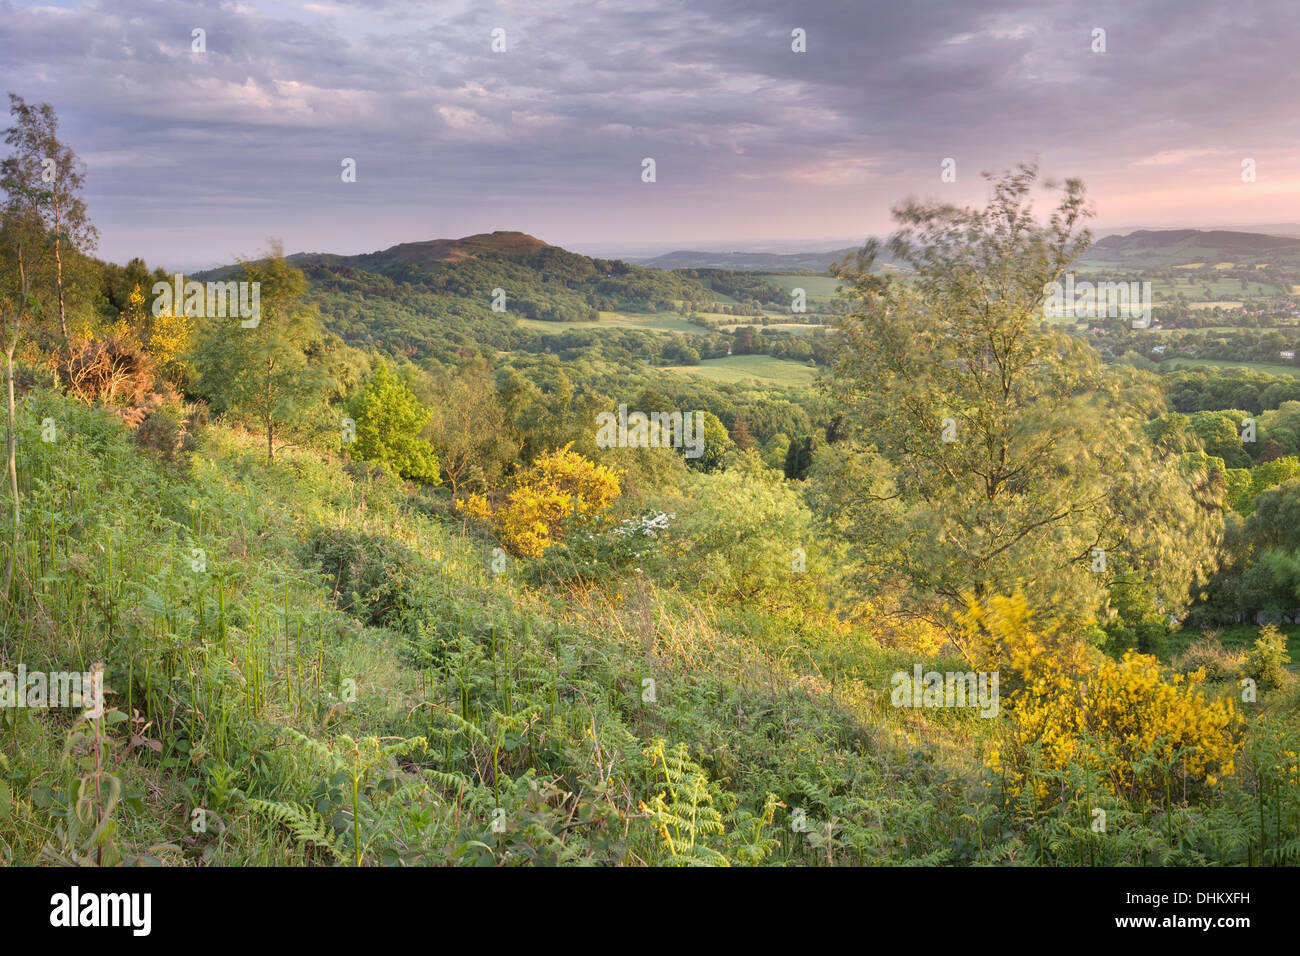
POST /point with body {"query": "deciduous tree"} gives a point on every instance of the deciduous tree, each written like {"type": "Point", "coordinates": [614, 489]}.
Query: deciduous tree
{"type": "Point", "coordinates": [988, 455]}
{"type": "Point", "coordinates": [263, 373]}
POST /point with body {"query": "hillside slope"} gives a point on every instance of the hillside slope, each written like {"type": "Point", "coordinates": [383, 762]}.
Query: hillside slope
{"type": "Point", "coordinates": [1167, 247]}
{"type": "Point", "coordinates": [272, 633]}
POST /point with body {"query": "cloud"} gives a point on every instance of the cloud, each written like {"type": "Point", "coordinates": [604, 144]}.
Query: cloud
{"type": "Point", "coordinates": [450, 137]}
{"type": "Point", "coordinates": [127, 159]}
{"type": "Point", "coordinates": [1174, 157]}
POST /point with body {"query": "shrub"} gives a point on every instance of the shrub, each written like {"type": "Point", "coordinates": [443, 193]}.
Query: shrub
{"type": "Point", "coordinates": [113, 370]}
{"type": "Point", "coordinates": [560, 485]}
{"type": "Point", "coordinates": [746, 534]}
{"type": "Point", "coordinates": [1123, 723]}
{"type": "Point", "coordinates": [368, 575]}
{"type": "Point", "coordinates": [1208, 655]}
{"type": "Point", "coordinates": [1000, 634]}
{"type": "Point", "coordinates": [166, 428]}
{"type": "Point", "coordinates": [388, 419]}
{"type": "Point", "coordinates": [162, 432]}
{"type": "Point", "coordinates": [637, 544]}
{"type": "Point", "coordinates": [1267, 660]}
{"type": "Point", "coordinates": [1118, 721]}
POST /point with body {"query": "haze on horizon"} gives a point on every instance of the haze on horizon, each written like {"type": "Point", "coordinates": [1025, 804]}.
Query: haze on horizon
{"type": "Point", "coordinates": [194, 157]}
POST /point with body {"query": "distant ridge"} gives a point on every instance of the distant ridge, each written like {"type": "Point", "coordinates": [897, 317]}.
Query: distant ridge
{"type": "Point", "coordinates": [753, 261]}
{"type": "Point", "coordinates": [1247, 242]}
{"type": "Point", "coordinates": [429, 253]}
{"type": "Point", "coordinates": [1157, 248]}
{"type": "Point", "coordinates": [1140, 248]}
{"type": "Point", "coordinates": [515, 245]}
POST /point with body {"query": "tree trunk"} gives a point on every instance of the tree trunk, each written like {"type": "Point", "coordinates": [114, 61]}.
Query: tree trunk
{"type": "Point", "coordinates": [12, 431]}
{"type": "Point", "coordinates": [12, 465]}
{"type": "Point", "coordinates": [58, 270]}
{"type": "Point", "coordinates": [270, 414]}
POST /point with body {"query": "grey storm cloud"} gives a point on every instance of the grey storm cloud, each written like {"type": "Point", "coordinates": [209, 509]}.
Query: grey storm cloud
{"type": "Point", "coordinates": [200, 155]}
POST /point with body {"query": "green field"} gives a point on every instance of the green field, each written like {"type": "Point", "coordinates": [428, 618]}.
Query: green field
{"type": "Point", "coordinates": [719, 296]}
{"type": "Point", "coordinates": [648, 321]}
{"type": "Point", "coordinates": [798, 328]}
{"type": "Point", "coordinates": [821, 288]}
{"type": "Point", "coordinates": [738, 368]}
{"type": "Point", "coordinates": [1163, 289]}
{"type": "Point", "coordinates": [1205, 328]}
{"type": "Point", "coordinates": [731, 320]}
{"type": "Point", "coordinates": [1224, 364]}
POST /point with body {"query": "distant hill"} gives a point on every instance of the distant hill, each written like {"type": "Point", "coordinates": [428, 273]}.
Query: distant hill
{"type": "Point", "coordinates": [510, 245]}
{"type": "Point", "coordinates": [1141, 248]}
{"type": "Point", "coordinates": [1153, 248]}
{"type": "Point", "coordinates": [436, 298]}
{"type": "Point", "coordinates": [751, 261]}
{"type": "Point", "coordinates": [1265, 228]}
{"type": "Point", "coordinates": [429, 255]}
{"type": "Point", "coordinates": [541, 281]}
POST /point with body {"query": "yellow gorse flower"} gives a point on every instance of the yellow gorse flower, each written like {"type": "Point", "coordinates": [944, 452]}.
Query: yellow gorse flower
{"type": "Point", "coordinates": [558, 485]}
{"type": "Point", "coordinates": [1119, 720]}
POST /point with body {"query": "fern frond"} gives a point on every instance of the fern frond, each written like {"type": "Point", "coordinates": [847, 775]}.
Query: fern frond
{"type": "Point", "coordinates": [309, 829]}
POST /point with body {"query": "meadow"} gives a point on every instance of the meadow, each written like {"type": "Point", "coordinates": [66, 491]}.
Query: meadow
{"type": "Point", "coordinates": [740, 368]}
{"type": "Point", "coordinates": [1227, 366]}
{"type": "Point", "coordinates": [645, 321]}
{"type": "Point", "coordinates": [816, 287]}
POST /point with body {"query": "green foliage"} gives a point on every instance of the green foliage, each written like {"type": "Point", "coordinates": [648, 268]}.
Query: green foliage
{"type": "Point", "coordinates": [718, 446]}
{"type": "Point", "coordinates": [468, 430]}
{"type": "Point", "coordinates": [1220, 434]}
{"type": "Point", "coordinates": [988, 453]}
{"type": "Point", "coordinates": [1193, 390]}
{"type": "Point", "coordinates": [1137, 623]}
{"type": "Point", "coordinates": [1260, 569]}
{"type": "Point", "coordinates": [1245, 485]}
{"type": "Point", "coordinates": [389, 419]}
{"type": "Point", "coordinates": [309, 830]}
{"type": "Point", "coordinates": [369, 575]}
{"type": "Point", "coordinates": [263, 374]}
{"type": "Point", "coordinates": [799, 457]}
{"type": "Point", "coordinates": [1267, 660]}
{"type": "Point", "coordinates": [745, 535]}
{"type": "Point", "coordinates": [689, 815]}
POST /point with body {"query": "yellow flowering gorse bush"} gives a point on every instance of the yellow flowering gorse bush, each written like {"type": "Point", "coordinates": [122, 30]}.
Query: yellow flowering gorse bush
{"type": "Point", "coordinates": [558, 485]}
{"type": "Point", "coordinates": [1120, 721]}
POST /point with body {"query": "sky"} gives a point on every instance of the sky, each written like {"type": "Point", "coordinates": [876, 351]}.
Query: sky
{"type": "Point", "coordinates": [195, 157]}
